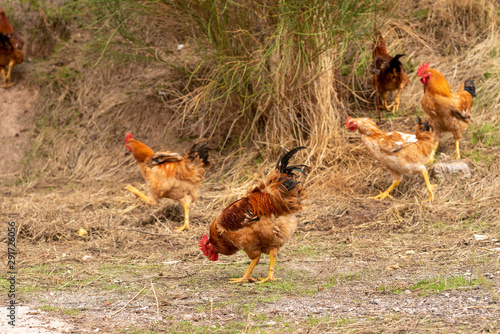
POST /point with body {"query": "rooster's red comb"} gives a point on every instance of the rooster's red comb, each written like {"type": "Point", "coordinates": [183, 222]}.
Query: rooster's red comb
{"type": "Point", "coordinates": [348, 120]}
{"type": "Point", "coordinates": [128, 136]}
{"type": "Point", "coordinates": [203, 244]}
{"type": "Point", "coordinates": [422, 68]}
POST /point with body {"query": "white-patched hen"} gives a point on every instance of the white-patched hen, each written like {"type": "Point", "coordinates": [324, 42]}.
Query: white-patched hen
{"type": "Point", "coordinates": [400, 153]}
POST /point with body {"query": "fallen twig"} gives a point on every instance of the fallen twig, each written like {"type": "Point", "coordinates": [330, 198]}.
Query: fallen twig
{"type": "Point", "coordinates": [109, 317]}
{"type": "Point", "coordinates": [133, 229]}
{"type": "Point", "coordinates": [157, 302]}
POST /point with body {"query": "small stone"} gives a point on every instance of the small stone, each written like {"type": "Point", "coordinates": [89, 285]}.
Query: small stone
{"type": "Point", "coordinates": [408, 292]}
{"type": "Point", "coordinates": [480, 237]}
{"type": "Point", "coordinates": [410, 252]}
{"type": "Point", "coordinates": [443, 170]}
{"type": "Point", "coordinates": [393, 267]}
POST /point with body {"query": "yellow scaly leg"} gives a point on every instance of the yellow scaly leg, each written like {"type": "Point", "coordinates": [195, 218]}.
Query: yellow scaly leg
{"type": "Point", "coordinates": [270, 276]}
{"type": "Point", "coordinates": [384, 101]}
{"type": "Point", "coordinates": [395, 103]}
{"type": "Point", "coordinates": [429, 186]}
{"type": "Point", "coordinates": [5, 85]}
{"type": "Point", "coordinates": [432, 158]}
{"type": "Point", "coordinates": [186, 218]}
{"type": "Point", "coordinates": [457, 150]}
{"type": "Point", "coordinates": [137, 192]}
{"type": "Point", "coordinates": [385, 194]}
{"type": "Point", "coordinates": [246, 277]}
{"type": "Point", "coordinates": [11, 65]}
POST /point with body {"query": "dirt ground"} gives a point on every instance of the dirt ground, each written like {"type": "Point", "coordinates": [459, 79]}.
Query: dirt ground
{"type": "Point", "coordinates": [341, 272]}
{"type": "Point", "coordinates": [17, 113]}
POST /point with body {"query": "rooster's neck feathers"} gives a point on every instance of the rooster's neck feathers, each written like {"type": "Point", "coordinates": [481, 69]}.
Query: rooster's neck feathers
{"type": "Point", "coordinates": [437, 84]}
{"type": "Point", "coordinates": [5, 27]}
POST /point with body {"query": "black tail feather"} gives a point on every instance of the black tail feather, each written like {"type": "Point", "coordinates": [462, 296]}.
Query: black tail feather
{"type": "Point", "coordinates": [426, 126]}
{"type": "Point", "coordinates": [469, 86]}
{"type": "Point", "coordinates": [199, 150]}
{"type": "Point", "coordinates": [283, 161]}
{"type": "Point", "coordinates": [396, 63]}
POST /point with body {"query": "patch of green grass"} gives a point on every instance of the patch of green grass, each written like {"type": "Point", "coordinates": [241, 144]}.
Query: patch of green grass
{"type": "Point", "coordinates": [421, 14]}
{"type": "Point", "coordinates": [434, 285]}
{"type": "Point", "coordinates": [486, 134]}
{"type": "Point", "coordinates": [341, 278]}
{"type": "Point", "coordinates": [477, 156]}
{"type": "Point", "coordinates": [437, 285]}
{"type": "Point", "coordinates": [307, 250]}
{"type": "Point", "coordinates": [68, 311]}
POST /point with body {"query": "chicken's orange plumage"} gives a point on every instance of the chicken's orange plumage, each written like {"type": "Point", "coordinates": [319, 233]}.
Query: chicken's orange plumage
{"type": "Point", "coordinates": [168, 174]}
{"type": "Point", "coordinates": [11, 48]}
{"type": "Point", "coordinates": [388, 74]}
{"type": "Point", "coordinates": [448, 111]}
{"type": "Point", "coordinates": [400, 153]}
{"type": "Point", "coordinates": [261, 222]}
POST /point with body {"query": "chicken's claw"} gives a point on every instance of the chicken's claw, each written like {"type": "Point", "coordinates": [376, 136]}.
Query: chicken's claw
{"type": "Point", "coordinates": [381, 196]}
{"type": "Point", "coordinates": [6, 85]}
{"type": "Point", "coordinates": [183, 227]}
{"type": "Point", "coordinates": [267, 279]}
{"type": "Point", "coordinates": [242, 280]}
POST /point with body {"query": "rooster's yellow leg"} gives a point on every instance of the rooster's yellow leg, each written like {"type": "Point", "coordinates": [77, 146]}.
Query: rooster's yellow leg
{"type": "Point", "coordinates": [5, 85]}
{"type": "Point", "coordinates": [432, 158]}
{"type": "Point", "coordinates": [138, 193]}
{"type": "Point", "coordinates": [246, 277]}
{"type": "Point", "coordinates": [385, 194]}
{"type": "Point", "coordinates": [11, 65]}
{"type": "Point", "coordinates": [186, 217]}
{"type": "Point", "coordinates": [429, 186]}
{"type": "Point", "coordinates": [457, 150]}
{"type": "Point", "coordinates": [270, 276]}
{"type": "Point", "coordinates": [395, 103]}
{"type": "Point", "coordinates": [383, 97]}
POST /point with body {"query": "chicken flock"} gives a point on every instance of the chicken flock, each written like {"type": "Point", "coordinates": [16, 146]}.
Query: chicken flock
{"type": "Point", "coordinates": [265, 219]}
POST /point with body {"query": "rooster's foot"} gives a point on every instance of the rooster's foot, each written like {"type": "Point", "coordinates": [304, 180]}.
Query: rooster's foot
{"type": "Point", "coordinates": [381, 196]}
{"type": "Point", "coordinates": [183, 227]}
{"type": "Point", "coordinates": [242, 280]}
{"type": "Point", "coordinates": [268, 278]}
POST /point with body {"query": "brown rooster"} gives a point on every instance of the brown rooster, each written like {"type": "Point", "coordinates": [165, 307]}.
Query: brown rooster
{"type": "Point", "coordinates": [170, 175]}
{"type": "Point", "coordinates": [261, 222]}
{"type": "Point", "coordinates": [449, 111]}
{"type": "Point", "coordinates": [11, 48]}
{"type": "Point", "coordinates": [388, 74]}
